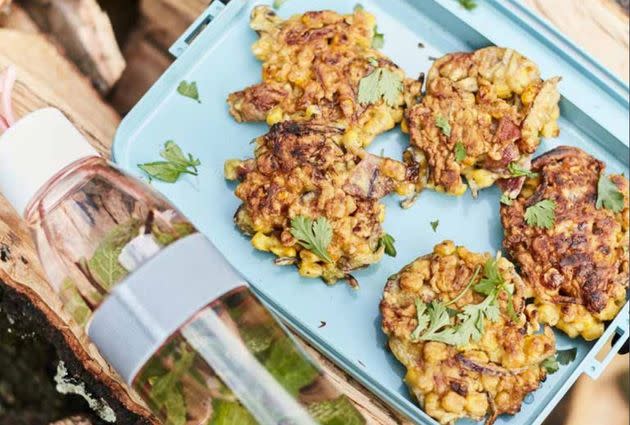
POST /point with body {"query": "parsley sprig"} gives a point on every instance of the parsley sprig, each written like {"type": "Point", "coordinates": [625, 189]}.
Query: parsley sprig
{"type": "Point", "coordinates": [380, 84]}
{"type": "Point", "coordinates": [541, 214]}
{"type": "Point", "coordinates": [313, 235]}
{"type": "Point", "coordinates": [175, 164]}
{"type": "Point", "coordinates": [434, 319]}
{"type": "Point", "coordinates": [608, 195]}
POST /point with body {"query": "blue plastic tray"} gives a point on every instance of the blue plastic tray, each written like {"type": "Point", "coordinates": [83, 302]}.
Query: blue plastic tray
{"type": "Point", "coordinates": [594, 117]}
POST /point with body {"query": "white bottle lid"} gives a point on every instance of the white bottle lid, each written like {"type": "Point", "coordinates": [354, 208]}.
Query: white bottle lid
{"type": "Point", "coordinates": [34, 150]}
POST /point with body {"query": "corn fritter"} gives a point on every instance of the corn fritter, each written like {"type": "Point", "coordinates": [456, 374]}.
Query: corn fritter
{"type": "Point", "coordinates": [300, 169]}
{"type": "Point", "coordinates": [481, 112]}
{"type": "Point", "coordinates": [479, 379]}
{"type": "Point", "coordinates": [313, 64]}
{"type": "Point", "coordinates": [577, 270]}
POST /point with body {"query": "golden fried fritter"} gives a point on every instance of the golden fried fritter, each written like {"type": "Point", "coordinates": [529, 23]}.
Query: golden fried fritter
{"type": "Point", "coordinates": [578, 269]}
{"type": "Point", "coordinates": [479, 379]}
{"type": "Point", "coordinates": [300, 169]}
{"type": "Point", "coordinates": [312, 66]}
{"type": "Point", "coordinates": [481, 112]}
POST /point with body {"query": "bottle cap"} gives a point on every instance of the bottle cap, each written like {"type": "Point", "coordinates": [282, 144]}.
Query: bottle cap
{"type": "Point", "coordinates": [34, 150]}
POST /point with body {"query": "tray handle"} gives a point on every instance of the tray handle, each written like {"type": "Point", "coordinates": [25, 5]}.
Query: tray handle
{"type": "Point", "coordinates": [595, 368]}
{"type": "Point", "coordinates": [197, 27]}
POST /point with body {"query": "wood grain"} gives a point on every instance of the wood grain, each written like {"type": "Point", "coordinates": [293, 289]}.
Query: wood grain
{"type": "Point", "coordinates": [598, 26]}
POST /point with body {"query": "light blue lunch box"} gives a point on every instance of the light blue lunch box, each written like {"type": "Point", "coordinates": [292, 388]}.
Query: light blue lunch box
{"type": "Point", "coordinates": [215, 52]}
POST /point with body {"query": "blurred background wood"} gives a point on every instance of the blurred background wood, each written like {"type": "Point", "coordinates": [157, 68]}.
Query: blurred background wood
{"type": "Point", "coordinates": [95, 67]}
{"type": "Point", "coordinates": [86, 34]}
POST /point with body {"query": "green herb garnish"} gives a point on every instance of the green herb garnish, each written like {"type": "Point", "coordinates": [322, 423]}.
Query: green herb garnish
{"type": "Point", "coordinates": [460, 150]}
{"type": "Point", "coordinates": [541, 214]}
{"type": "Point", "coordinates": [434, 225]}
{"type": "Point", "coordinates": [468, 4]}
{"type": "Point", "coordinates": [378, 41]}
{"type": "Point", "coordinates": [493, 284]}
{"type": "Point", "coordinates": [380, 83]}
{"type": "Point", "coordinates": [175, 165]}
{"type": "Point", "coordinates": [608, 195]}
{"type": "Point", "coordinates": [442, 124]}
{"type": "Point", "coordinates": [387, 241]}
{"type": "Point", "coordinates": [518, 171]}
{"type": "Point", "coordinates": [190, 90]}
{"type": "Point", "coordinates": [313, 235]}
{"type": "Point", "coordinates": [506, 200]}
{"type": "Point", "coordinates": [434, 320]}
{"type": "Point", "coordinates": [562, 357]}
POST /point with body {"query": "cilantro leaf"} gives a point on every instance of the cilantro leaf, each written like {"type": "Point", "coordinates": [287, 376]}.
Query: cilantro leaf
{"type": "Point", "coordinates": [438, 318]}
{"type": "Point", "coordinates": [468, 4]}
{"type": "Point", "coordinates": [173, 153]}
{"type": "Point", "coordinates": [506, 200]}
{"type": "Point", "coordinates": [562, 357]}
{"type": "Point", "coordinates": [550, 364]}
{"type": "Point", "coordinates": [442, 124]}
{"type": "Point", "coordinates": [387, 241]}
{"type": "Point", "coordinates": [434, 225]}
{"type": "Point", "coordinates": [163, 171]}
{"type": "Point", "coordinates": [518, 171]}
{"type": "Point", "coordinates": [190, 90]}
{"type": "Point", "coordinates": [378, 41]}
{"type": "Point", "coordinates": [460, 151]}
{"type": "Point", "coordinates": [175, 164]}
{"type": "Point", "coordinates": [380, 83]}
{"type": "Point", "coordinates": [423, 319]}
{"type": "Point", "coordinates": [541, 214]}
{"type": "Point", "coordinates": [492, 279]}
{"type": "Point", "coordinates": [608, 195]}
{"type": "Point", "coordinates": [313, 235]}
{"type": "Point", "coordinates": [566, 356]}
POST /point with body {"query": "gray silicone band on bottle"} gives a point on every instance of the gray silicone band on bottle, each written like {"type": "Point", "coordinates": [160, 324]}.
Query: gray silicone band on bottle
{"type": "Point", "coordinates": [155, 300]}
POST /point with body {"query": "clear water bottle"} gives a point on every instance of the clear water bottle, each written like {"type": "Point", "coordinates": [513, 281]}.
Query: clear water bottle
{"type": "Point", "coordinates": [163, 306]}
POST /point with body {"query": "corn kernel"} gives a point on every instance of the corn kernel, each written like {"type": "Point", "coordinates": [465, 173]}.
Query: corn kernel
{"type": "Point", "coordinates": [274, 116]}
{"type": "Point", "coordinates": [229, 168]}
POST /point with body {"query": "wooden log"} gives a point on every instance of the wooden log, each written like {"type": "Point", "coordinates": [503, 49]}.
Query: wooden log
{"type": "Point", "coordinates": [18, 19]}
{"type": "Point", "coordinates": [85, 33]}
{"type": "Point", "coordinates": [75, 420]}
{"type": "Point", "coordinates": [29, 298]}
{"type": "Point", "coordinates": [145, 64]}
{"type": "Point", "coordinates": [168, 19]}
{"type": "Point", "coordinates": [5, 6]}
{"type": "Point", "coordinates": [47, 78]}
